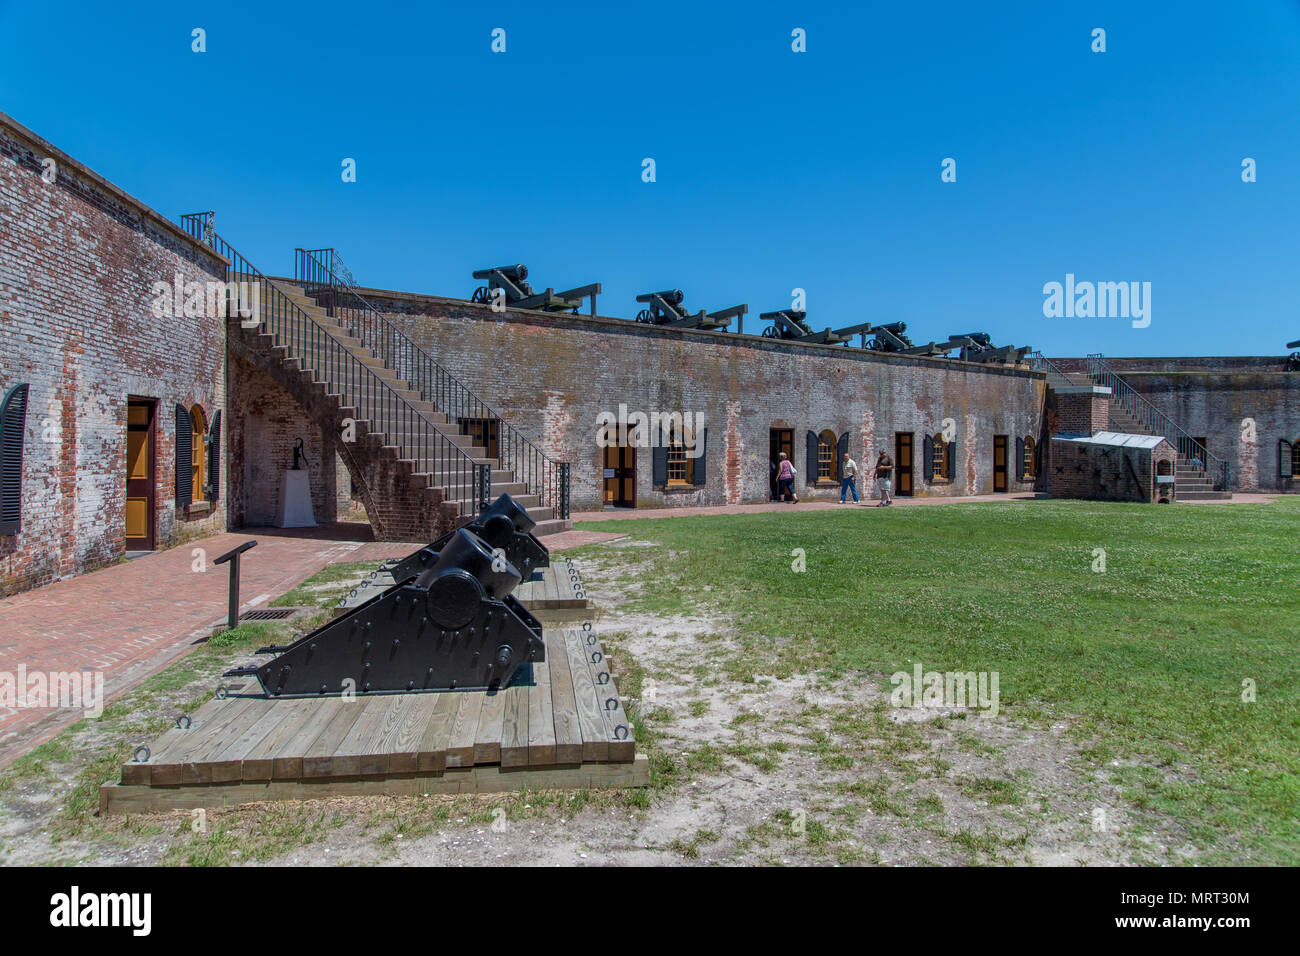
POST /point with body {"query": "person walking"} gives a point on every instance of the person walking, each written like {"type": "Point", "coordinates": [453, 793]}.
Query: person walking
{"type": "Point", "coordinates": [785, 480]}
{"type": "Point", "coordinates": [885, 478]}
{"type": "Point", "coordinates": [849, 478]}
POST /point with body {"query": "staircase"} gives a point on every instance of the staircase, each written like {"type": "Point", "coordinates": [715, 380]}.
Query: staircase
{"type": "Point", "coordinates": [1133, 414]}
{"type": "Point", "coordinates": [419, 474]}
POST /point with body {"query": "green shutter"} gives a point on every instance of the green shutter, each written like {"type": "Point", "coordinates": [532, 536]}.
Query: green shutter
{"type": "Point", "coordinates": [1285, 461]}
{"type": "Point", "coordinates": [13, 431]}
{"type": "Point", "coordinates": [214, 458]}
{"type": "Point", "coordinates": [184, 458]}
{"type": "Point", "coordinates": [700, 472]}
{"type": "Point", "coordinates": [951, 450]}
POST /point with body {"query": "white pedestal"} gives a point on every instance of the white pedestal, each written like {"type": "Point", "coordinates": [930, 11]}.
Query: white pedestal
{"type": "Point", "coordinates": [294, 507]}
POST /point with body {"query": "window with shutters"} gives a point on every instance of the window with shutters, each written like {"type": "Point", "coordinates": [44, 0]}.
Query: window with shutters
{"type": "Point", "coordinates": [198, 440]}
{"type": "Point", "coordinates": [939, 471]}
{"type": "Point", "coordinates": [826, 470]}
{"type": "Point", "coordinates": [1295, 456]}
{"type": "Point", "coordinates": [1028, 467]}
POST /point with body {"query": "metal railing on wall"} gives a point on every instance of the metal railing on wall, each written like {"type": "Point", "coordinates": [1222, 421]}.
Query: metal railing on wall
{"type": "Point", "coordinates": [358, 385]}
{"type": "Point", "coordinates": [1103, 373]}
{"type": "Point", "coordinates": [322, 275]}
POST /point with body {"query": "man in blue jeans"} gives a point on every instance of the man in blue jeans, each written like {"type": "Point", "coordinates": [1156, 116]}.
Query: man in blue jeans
{"type": "Point", "coordinates": [848, 478]}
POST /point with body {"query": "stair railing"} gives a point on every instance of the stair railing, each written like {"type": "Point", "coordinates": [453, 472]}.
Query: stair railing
{"type": "Point", "coordinates": [1103, 373]}
{"type": "Point", "coordinates": [1040, 363]}
{"type": "Point", "coordinates": [357, 384]}
{"type": "Point", "coordinates": [321, 273]}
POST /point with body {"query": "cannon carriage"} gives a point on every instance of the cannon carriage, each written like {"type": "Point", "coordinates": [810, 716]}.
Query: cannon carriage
{"type": "Point", "coordinates": [665, 308]}
{"type": "Point", "coordinates": [509, 286]}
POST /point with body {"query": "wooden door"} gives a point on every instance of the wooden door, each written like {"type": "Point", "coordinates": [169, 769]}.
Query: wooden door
{"type": "Point", "coordinates": [620, 476]}
{"type": "Point", "coordinates": [999, 463]}
{"type": "Point", "coordinates": [902, 463]}
{"type": "Point", "coordinates": [141, 469]}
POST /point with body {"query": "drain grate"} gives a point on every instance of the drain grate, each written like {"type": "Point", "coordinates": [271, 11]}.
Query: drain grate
{"type": "Point", "coordinates": [269, 614]}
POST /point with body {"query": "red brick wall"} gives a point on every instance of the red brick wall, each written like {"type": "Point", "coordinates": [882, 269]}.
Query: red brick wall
{"type": "Point", "coordinates": [1105, 472]}
{"type": "Point", "coordinates": [1080, 413]}
{"type": "Point", "coordinates": [78, 259]}
{"type": "Point", "coordinates": [265, 424]}
{"type": "Point", "coordinates": [552, 375]}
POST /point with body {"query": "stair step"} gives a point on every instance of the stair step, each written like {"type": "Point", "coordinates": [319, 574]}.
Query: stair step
{"type": "Point", "coordinates": [552, 526]}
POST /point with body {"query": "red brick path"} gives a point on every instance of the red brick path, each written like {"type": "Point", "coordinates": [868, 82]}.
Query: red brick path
{"type": "Point", "coordinates": [132, 619]}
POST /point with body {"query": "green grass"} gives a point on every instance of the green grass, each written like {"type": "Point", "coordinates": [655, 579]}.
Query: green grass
{"type": "Point", "coordinates": [1146, 660]}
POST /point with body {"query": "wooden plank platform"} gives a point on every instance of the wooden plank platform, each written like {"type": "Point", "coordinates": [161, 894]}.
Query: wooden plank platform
{"type": "Point", "coordinates": [561, 724]}
{"type": "Point", "coordinates": [555, 594]}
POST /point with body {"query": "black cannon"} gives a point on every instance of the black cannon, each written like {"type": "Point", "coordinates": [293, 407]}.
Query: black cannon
{"type": "Point", "coordinates": [890, 338]}
{"type": "Point", "coordinates": [792, 324]}
{"type": "Point", "coordinates": [451, 625]}
{"type": "Point", "coordinates": [665, 308]}
{"type": "Point", "coordinates": [1293, 360]}
{"type": "Point", "coordinates": [504, 525]}
{"type": "Point", "coordinates": [517, 293]}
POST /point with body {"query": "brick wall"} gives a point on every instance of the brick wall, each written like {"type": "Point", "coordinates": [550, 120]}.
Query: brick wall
{"type": "Point", "coordinates": [552, 376]}
{"type": "Point", "coordinates": [265, 424]}
{"type": "Point", "coordinates": [1080, 409]}
{"type": "Point", "coordinates": [1106, 472]}
{"type": "Point", "coordinates": [78, 259]}
{"type": "Point", "coordinates": [1242, 405]}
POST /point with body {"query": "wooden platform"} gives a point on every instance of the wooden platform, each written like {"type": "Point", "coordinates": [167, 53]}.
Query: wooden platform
{"type": "Point", "coordinates": [563, 728]}
{"type": "Point", "coordinates": [555, 594]}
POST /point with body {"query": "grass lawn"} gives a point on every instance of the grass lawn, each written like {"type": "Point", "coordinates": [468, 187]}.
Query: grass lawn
{"type": "Point", "coordinates": [1146, 659]}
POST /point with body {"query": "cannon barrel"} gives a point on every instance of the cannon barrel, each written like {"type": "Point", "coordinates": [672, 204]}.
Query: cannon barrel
{"type": "Point", "coordinates": [671, 296]}
{"type": "Point", "coordinates": [516, 273]}
{"type": "Point", "coordinates": [790, 313]}
{"type": "Point", "coordinates": [454, 626]}
{"type": "Point", "coordinates": [504, 524]}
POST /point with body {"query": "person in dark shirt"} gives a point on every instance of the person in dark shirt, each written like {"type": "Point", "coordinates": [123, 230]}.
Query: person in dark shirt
{"type": "Point", "coordinates": [885, 478]}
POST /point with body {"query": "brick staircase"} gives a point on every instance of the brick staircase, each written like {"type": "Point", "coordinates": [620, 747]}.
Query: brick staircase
{"type": "Point", "coordinates": [419, 476]}
{"type": "Point", "coordinates": [439, 470]}
{"type": "Point", "coordinates": [1192, 482]}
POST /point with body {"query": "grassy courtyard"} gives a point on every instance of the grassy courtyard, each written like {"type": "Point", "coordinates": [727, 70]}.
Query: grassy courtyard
{"type": "Point", "coordinates": [1145, 659]}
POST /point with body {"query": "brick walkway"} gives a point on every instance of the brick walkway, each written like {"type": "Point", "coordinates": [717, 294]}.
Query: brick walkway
{"type": "Point", "coordinates": [132, 619]}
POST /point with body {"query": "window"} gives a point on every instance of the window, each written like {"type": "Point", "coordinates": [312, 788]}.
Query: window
{"type": "Point", "coordinates": [678, 461]}
{"type": "Point", "coordinates": [679, 466]}
{"type": "Point", "coordinates": [1028, 463]}
{"type": "Point", "coordinates": [1295, 456]}
{"type": "Point", "coordinates": [826, 466]}
{"type": "Point", "coordinates": [940, 468]}
{"type": "Point", "coordinates": [198, 439]}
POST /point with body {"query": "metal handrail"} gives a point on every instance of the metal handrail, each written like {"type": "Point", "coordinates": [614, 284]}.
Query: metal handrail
{"type": "Point", "coordinates": [1040, 363]}
{"type": "Point", "coordinates": [1104, 373]}
{"type": "Point", "coordinates": [358, 385]}
{"type": "Point", "coordinates": [318, 271]}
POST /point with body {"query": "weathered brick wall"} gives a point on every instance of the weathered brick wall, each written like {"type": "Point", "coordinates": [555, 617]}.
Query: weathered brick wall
{"type": "Point", "coordinates": [1105, 472]}
{"type": "Point", "coordinates": [1080, 410]}
{"type": "Point", "coordinates": [400, 504]}
{"type": "Point", "coordinates": [78, 259]}
{"type": "Point", "coordinates": [552, 376]}
{"type": "Point", "coordinates": [265, 424]}
{"type": "Point", "coordinates": [1240, 404]}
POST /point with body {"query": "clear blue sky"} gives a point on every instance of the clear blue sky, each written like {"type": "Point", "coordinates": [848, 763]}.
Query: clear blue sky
{"type": "Point", "coordinates": [774, 169]}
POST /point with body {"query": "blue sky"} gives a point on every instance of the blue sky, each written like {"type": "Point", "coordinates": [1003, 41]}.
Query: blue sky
{"type": "Point", "coordinates": [775, 169]}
